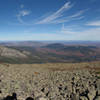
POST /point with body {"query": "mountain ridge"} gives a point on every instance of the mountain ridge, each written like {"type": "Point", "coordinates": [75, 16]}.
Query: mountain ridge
{"type": "Point", "coordinates": [53, 53]}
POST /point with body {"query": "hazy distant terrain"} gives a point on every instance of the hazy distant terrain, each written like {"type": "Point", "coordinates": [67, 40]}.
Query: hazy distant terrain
{"type": "Point", "coordinates": [44, 52]}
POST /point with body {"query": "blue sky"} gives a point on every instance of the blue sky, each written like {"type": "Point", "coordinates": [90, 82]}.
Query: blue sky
{"type": "Point", "coordinates": [49, 19]}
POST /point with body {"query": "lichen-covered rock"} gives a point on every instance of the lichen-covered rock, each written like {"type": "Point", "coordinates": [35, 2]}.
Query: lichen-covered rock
{"type": "Point", "coordinates": [45, 84]}
{"type": "Point", "coordinates": [98, 98]}
{"type": "Point", "coordinates": [83, 98]}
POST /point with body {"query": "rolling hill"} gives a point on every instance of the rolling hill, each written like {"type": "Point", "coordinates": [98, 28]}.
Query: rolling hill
{"type": "Point", "coordinates": [48, 52]}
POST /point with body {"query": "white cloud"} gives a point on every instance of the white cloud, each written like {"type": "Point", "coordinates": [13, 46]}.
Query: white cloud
{"type": "Point", "coordinates": [67, 30]}
{"type": "Point", "coordinates": [58, 17]}
{"type": "Point", "coordinates": [54, 18]}
{"type": "Point", "coordinates": [77, 14]}
{"type": "Point", "coordinates": [94, 23]}
{"type": "Point", "coordinates": [55, 15]}
{"type": "Point", "coordinates": [86, 34]}
{"type": "Point", "coordinates": [91, 34]}
{"type": "Point", "coordinates": [63, 20]}
{"type": "Point", "coordinates": [22, 13]}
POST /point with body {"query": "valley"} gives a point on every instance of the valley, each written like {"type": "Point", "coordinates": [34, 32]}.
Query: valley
{"type": "Point", "coordinates": [42, 52]}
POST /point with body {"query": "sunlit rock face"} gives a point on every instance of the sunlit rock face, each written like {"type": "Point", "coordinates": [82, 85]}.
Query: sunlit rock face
{"type": "Point", "coordinates": [8, 52]}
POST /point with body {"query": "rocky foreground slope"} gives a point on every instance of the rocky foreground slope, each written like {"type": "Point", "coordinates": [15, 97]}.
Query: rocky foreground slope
{"type": "Point", "coordinates": [50, 81]}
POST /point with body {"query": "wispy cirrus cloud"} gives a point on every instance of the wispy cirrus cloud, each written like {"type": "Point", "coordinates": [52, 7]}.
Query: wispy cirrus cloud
{"type": "Point", "coordinates": [55, 15]}
{"type": "Point", "coordinates": [75, 16]}
{"type": "Point", "coordinates": [94, 23]}
{"type": "Point", "coordinates": [79, 13]}
{"type": "Point", "coordinates": [22, 13]}
{"type": "Point", "coordinates": [58, 16]}
{"type": "Point", "coordinates": [68, 29]}
{"type": "Point", "coordinates": [54, 18]}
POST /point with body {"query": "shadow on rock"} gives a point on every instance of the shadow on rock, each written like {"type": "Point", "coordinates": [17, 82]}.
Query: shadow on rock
{"type": "Point", "coordinates": [29, 98]}
{"type": "Point", "coordinates": [13, 97]}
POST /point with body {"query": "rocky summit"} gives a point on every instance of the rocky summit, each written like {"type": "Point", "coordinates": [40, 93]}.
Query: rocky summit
{"type": "Point", "coordinates": [49, 82]}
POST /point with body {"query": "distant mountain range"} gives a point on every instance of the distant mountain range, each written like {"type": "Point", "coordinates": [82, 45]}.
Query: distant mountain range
{"type": "Point", "coordinates": [42, 43]}
{"type": "Point", "coordinates": [22, 43]}
{"type": "Point", "coordinates": [55, 52]}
